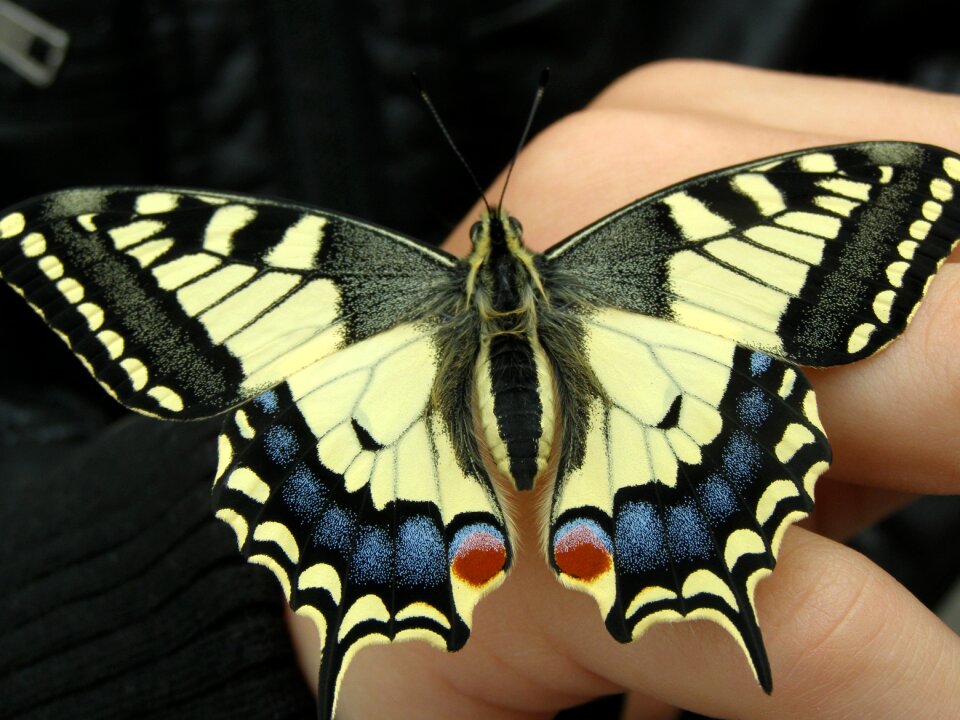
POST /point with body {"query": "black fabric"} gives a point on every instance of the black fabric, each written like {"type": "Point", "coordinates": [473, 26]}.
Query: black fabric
{"type": "Point", "coordinates": [120, 595]}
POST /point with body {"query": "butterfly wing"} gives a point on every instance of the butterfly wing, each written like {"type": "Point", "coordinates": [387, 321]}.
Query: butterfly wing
{"type": "Point", "coordinates": [349, 483]}
{"type": "Point", "coordinates": [819, 256]}
{"type": "Point", "coordinates": [689, 308]}
{"type": "Point", "coordinates": [180, 308]}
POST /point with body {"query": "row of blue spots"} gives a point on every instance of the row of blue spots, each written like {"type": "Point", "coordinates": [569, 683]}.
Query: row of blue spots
{"type": "Point", "coordinates": [754, 408]}
{"type": "Point", "coordinates": [417, 558]}
{"type": "Point", "coordinates": [741, 458]}
{"type": "Point", "coordinates": [646, 541]}
{"type": "Point", "coordinates": [717, 499]}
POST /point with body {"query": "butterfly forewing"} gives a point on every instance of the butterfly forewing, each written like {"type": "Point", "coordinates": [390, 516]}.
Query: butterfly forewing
{"type": "Point", "coordinates": [819, 256]}
{"type": "Point", "coordinates": [183, 304]}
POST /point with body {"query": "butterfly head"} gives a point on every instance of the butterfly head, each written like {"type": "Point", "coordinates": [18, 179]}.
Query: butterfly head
{"type": "Point", "coordinates": [496, 231]}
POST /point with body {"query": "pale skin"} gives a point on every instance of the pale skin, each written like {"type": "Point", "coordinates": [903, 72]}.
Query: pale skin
{"type": "Point", "coordinates": [844, 638]}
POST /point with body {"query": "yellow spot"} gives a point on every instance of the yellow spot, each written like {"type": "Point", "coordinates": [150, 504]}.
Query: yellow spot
{"type": "Point", "coordinates": [810, 409]}
{"type": "Point", "coordinates": [789, 380]}
{"type": "Point", "coordinates": [794, 438]}
{"type": "Point", "coordinates": [70, 289]}
{"type": "Point", "coordinates": [300, 244]}
{"type": "Point", "coordinates": [224, 456]}
{"type": "Point", "coordinates": [112, 342]}
{"type": "Point", "coordinates": [952, 167]}
{"type": "Point", "coordinates": [742, 542]}
{"type": "Point", "coordinates": [783, 273]}
{"type": "Point", "coordinates": [919, 229]}
{"type": "Point", "coordinates": [804, 247]}
{"type": "Point", "coordinates": [93, 314]}
{"type": "Point", "coordinates": [895, 273]}
{"type": "Point", "coordinates": [931, 210]}
{"type": "Point", "coordinates": [423, 610]}
{"type": "Point", "coordinates": [156, 202]}
{"type": "Point", "coordinates": [33, 245]}
{"type": "Point", "coordinates": [825, 226]}
{"type": "Point", "coordinates": [175, 273]}
{"type": "Point", "coordinates": [883, 304]}
{"type": "Point", "coordinates": [847, 188]}
{"type": "Point", "coordinates": [309, 611]}
{"type": "Point", "coordinates": [813, 474]}
{"type": "Point", "coordinates": [135, 232]}
{"type": "Point", "coordinates": [704, 581]}
{"type": "Point", "coordinates": [817, 163]}
{"type": "Point", "coordinates": [201, 294]}
{"type": "Point", "coordinates": [860, 337]}
{"type": "Point", "coordinates": [322, 576]}
{"type": "Point", "coordinates": [886, 174]}
{"type": "Point", "coordinates": [86, 222]}
{"type": "Point", "coordinates": [249, 483]}
{"type": "Point", "coordinates": [12, 225]}
{"type": "Point", "coordinates": [766, 196]}
{"type": "Point", "coordinates": [225, 222]}
{"type": "Point", "coordinates": [280, 534]}
{"type": "Point", "coordinates": [941, 190]}
{"type": "Point", "coordinates": [51, 266]}
{"type": "Point", "coordinates": [650, 594]}
{"type": "Point", "coordinates": [694, 219]}
{"type": "Point", "coordinates": [274, 567]}
{"type": "Point", "coordinates": [136, 371]}
{"type": "Point", "coordinates": [236, 522]}
{"type": "Point", "coordinates": [834, 204]}
{"type": "Point", "coordinates": [243, 425]}
{"type": "Point", "coordinates": [166, 398]}
{"type": "Point", "coordinates": [368, 607]}
{"type": "Point", "coordinates": [212, 199]}
{"type": "Point", "coordinates": [907, 248]}
{"type": "Point", "coordinates": [147, 253]}
{"type": "Point", "coordinates": [774, 493]}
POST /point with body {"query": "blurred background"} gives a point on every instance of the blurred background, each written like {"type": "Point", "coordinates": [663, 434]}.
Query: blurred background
{"type": "Point", "coordinates": [311, 100]}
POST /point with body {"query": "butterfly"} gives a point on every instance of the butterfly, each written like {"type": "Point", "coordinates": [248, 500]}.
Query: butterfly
{"type": "Point", "coordinates": [375, 389]}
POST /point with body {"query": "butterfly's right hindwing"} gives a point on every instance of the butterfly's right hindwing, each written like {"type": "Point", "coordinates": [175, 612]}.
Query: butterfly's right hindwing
{"type": "Point", "coordinates": [347, 481]}
{"type": "Point", "coordinates": [183, 304]}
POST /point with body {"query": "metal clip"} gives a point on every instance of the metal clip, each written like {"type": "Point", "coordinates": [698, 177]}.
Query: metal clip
{"type": "Point", "coordinates": [29, 45]}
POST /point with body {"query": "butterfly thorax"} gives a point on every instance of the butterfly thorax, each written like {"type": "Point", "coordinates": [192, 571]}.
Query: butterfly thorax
{"type": "Point", "coordinates": [513, 385]}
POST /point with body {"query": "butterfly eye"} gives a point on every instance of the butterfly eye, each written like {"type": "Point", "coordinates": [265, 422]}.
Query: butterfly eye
{"type": "Point", "coordinates": [516, 226]}
{"type": "Point", "coordinates": [475, 231]}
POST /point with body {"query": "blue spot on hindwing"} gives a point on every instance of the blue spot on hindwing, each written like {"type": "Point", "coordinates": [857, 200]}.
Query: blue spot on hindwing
{"type": "Point", "coordinates": [421, 554]}
{"type": "Point", "coordinates": [303, 494]}
{"type": "Point", "coordinates": [754, 407]}
{"type": "Point", "coordinates": [335, 529]}
{"type": "Point", "coordinates": [640, 538]}
{"type": "Point", "coordinates": [741, 458]}
{"type": "Point", "coordinates": [759, 363]}
{"type": "Point", "coordinates": [372, 560]}
{"type": "Point", "coordinates": [717, 499]}
{"type": "Point", "coordinates": [267, 402]}
{"type": "Point", "coordinates": [688, 535]}
{"type": "Point", "coordinates": [281, 444]}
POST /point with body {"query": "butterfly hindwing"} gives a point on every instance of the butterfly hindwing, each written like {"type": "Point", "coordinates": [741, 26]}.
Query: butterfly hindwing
{"type": "Point", "coordinates": [364, 509]}
{"type": "Point", "coordinates": [183, 303]}
{"type": "Point", "coordinates": [696, 454]}
{"type": "Point", "coordinates": [819, 256]}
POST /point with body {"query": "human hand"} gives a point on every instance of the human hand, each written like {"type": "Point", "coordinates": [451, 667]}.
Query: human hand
{"type": "Point", "coordinates": [826, 612]}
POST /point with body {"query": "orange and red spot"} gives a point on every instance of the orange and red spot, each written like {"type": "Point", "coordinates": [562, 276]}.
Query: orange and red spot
{"type": "Point", "coordinates": [582, 549]}
{"type": "Point", "coordinates": [477, 554]}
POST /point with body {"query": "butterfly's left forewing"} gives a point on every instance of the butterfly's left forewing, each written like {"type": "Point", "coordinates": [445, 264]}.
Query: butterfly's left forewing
{"type": "Point", "coordinates": [183, 303]}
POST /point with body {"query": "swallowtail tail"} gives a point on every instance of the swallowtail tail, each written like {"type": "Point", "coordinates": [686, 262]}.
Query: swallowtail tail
{"type": "Point", "coordinates": [373, 386]}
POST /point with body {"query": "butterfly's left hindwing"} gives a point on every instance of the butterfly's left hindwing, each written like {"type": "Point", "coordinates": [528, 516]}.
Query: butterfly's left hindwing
{"type": "Point", "coordinates": [695, 455]}
{"type": "Point", "coordinates": [347, 482]}
{"type": "Point", "coordinates": [183, 303]}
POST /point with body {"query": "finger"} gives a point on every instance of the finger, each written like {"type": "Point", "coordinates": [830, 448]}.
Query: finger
{"type": "Point", "coordinates": [844, 509]}
{"type": "Point", "coordinates": [853, 109]}
{"type": "Point", "coordinates": [840, 633]}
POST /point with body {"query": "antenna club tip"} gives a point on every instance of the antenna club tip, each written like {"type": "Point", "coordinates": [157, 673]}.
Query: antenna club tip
{"type": "Point", "coordinates": [415, 79]}
{"type": "Point", "coordinates": [544, 76]}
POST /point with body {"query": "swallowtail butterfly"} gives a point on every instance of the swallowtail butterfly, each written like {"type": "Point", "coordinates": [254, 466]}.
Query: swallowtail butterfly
{"type": "Point", "coordinates": [373, 386]}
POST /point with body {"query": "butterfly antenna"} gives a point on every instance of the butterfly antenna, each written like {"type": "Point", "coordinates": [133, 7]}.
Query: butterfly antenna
{"type": "Point", "coordinates": [446, 133]}
{"type": "Point", "coordinates": [538, 96]}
